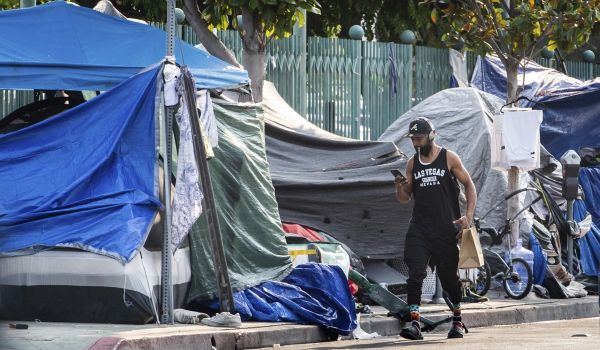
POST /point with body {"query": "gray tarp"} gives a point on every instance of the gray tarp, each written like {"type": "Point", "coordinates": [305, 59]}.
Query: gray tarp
{"type": "Point", "coordinates": [334, 184]}
{"type": "Point", "coordinates": [344, 187]}
{"type": "Point", "coordinates": [463, 120]}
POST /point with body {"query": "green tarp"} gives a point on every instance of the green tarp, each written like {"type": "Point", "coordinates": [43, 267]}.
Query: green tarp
{"type": "Point", "coordinates": [245, 198]}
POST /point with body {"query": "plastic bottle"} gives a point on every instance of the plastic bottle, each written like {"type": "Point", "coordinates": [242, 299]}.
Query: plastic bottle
{"type": "Point", "coordinates": [520, 252]}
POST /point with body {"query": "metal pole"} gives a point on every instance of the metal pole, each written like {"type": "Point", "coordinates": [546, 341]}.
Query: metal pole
{"type": "Point", "coordinates": [170, 28]}
{"type": "Point", "coordinates": [166, 276]}
{"type": "Point", "coordinates": [569, 237]}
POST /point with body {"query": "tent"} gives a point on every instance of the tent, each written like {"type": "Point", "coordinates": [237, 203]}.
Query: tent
{"type": "Point", "coordinates": [93, 176]}
{"type": "Point", "coordinates": [464, 128]}
{"type": "Point", "coordinates": [334, 184]}
{"type": "Point", "coordinates": [570, 105]}
{"type": "Point", "coordinates": [250, 225]}
{"type": "Point", "coordinates": [61, 46]}
{"type": "Point", "coordinates": [83, 173]}
{"type": "Point", "coordinates": [571, 109]}
{"type": "Point", "coordinates": [344, 187]}
{"type": "Point", "coordinates": [81, 194]}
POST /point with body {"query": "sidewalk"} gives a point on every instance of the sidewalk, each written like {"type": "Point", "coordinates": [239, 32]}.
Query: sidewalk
{"type": "Point", "coordinates": [67, 336]}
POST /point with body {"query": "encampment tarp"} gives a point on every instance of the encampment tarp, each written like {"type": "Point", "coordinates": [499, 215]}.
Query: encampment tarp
{"type": "Point", "coordinates": [570, 106]}
{"type": "Point", "coordinates": [589, 245]}
{"type": "Point", "coordinates": [311, 294]}
{"type": "Point", "coordinates": [344, 187]}
{"type": "Point", "coordinates": [589, 179]}
{"type": "Point", "coordinates": [334, 184]}
{"type": "Point", "coordinates": [61, 46]}
{"type": "Point", "coordinates": [86, 178]}
{"type": "Point", "coordinates": [253, 238]}
{"type": "Point", "coordinates": [462, 118]}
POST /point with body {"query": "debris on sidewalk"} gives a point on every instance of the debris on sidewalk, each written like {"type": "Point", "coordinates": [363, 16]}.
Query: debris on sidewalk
{"type": "Point", "coordinates": [359, 333]}
{"type": "Point", "coordinates": [18, 325]}
{"type": "Point", "coordinates": [223, 319]}
{"type": "Point", "coordinates": [188, 316]}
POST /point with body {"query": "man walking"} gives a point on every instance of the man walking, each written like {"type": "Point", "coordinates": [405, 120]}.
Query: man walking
{"type": "Point", "coordinates": [436, 223]}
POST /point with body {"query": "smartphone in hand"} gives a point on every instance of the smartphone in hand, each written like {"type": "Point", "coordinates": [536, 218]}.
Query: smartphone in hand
{"type": "Point", "coordinates": [397, 173]}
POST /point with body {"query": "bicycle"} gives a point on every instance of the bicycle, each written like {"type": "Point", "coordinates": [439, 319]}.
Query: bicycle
{"type": "Point", "coordinates": [517, 276]}
{"type": "Point", "coordinates": [478, 281]}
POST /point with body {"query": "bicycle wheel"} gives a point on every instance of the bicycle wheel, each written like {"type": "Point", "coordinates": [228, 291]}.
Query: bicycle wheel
{"type": "Point", "coordinates": [518, 279]}
{"type": "Point", "coordinates": [483, 280]}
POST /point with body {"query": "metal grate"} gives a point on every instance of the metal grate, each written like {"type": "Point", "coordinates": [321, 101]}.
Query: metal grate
{"type": "Point", "coordinates": [428, 284]}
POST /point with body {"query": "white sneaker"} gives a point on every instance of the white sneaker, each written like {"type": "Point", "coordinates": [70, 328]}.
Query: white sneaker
{"type": "Point", "coordinates": [223, 319]}
{"type": "Point", "coordinates": [187, 316]}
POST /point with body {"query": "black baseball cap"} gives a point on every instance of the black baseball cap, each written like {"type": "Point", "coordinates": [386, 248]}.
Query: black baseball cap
{"type": "Point", "coordinates": [419, 126]}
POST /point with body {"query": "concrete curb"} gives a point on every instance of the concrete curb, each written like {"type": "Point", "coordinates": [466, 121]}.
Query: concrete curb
{"type": "Point", "coordinates": [267, 336]}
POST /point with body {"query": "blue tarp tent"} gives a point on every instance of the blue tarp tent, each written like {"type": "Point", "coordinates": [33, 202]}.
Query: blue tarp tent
{"type": "Point", "coordinates": [571, 106]}
{"type": "Point", "coordinates": [61, 46]}
{"type": "Point", "coordinates": [86, 178]}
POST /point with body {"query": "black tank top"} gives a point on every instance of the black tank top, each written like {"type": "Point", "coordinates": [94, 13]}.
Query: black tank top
{"type": "Point", "coordinates": [435, 191]}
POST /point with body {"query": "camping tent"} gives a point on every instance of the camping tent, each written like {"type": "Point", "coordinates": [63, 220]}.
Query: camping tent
{"type": "Point", "coordinates": [101, 157]}
{"type": "Point", "coordinates": [571, 109]}
{"type": "Point", "coordinates": [344, 187]}
{"type": "Point", "coordinates": [81, 192]}
{"type": "Point", "coordinates": [337, 185]}
{"type": "Point", "coordinates": [60, 46]}
{"type": "Point", "coordinates": [464, 128]}
{"type": "Point", "coordinates": [84, 173]}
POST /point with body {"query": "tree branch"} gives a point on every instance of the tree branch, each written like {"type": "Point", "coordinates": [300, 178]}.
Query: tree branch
{"type": "Point", "coordinates": [501, 54]}
{"type": "Point", "coordinates": [490, 8]}
{"type": "Point", "coordinates": [535, 47]}
{"type": "Point", "coordinates": [213, 45]}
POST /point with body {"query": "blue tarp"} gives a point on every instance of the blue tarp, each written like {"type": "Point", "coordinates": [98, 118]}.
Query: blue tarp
{"type": "Point", "coordinates": [539, 260]}
{"type": "Point", "coordinates": [571, 106]}
{"type": "Point", "coordinates": [86, 178]}
{"type": "Point", "coordinates": [589, 245]}
{"type": "Point", "coordinates": [60, 46]}
{"type": "Point", "coordinates": [589, 179]}
{"type": "Point", "coordinates": [311, 294]}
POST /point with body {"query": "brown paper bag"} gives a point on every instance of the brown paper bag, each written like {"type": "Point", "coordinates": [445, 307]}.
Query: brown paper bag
{"type": "Point", "coordinates": [470, 255]}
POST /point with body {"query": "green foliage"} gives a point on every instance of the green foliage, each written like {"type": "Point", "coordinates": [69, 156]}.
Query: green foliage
{"type": "Point", "coordinates": [383, 20]}
{"type": "Point", "coordinates": [399, 15]}
{"type": "Point", "coordinates": [148, 10]}
{"type": "Point", "coordinates": [276, 17]}
{"type": "Point", "coordinates": [14, 4]}
{"type": "Point", "coordinates": [518, 31]}
{"type": "Point", "coordinates": [337, 16]}
{"type": "Point", "coordinates": [9, 4]}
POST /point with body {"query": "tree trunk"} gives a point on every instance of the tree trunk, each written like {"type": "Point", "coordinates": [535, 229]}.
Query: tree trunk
{"type": "Point", "coordinates": [512, 85]}
{"type": "Point", "coordinates": [512, 79]}
{"type": "Point", "coordinates": [213, 45]}
{"type": "Point", "coordinates": [254, 40]}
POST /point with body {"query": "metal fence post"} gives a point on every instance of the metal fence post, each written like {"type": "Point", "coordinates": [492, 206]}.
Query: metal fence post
{"type": "Point", "coordinates": [166, 276]}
